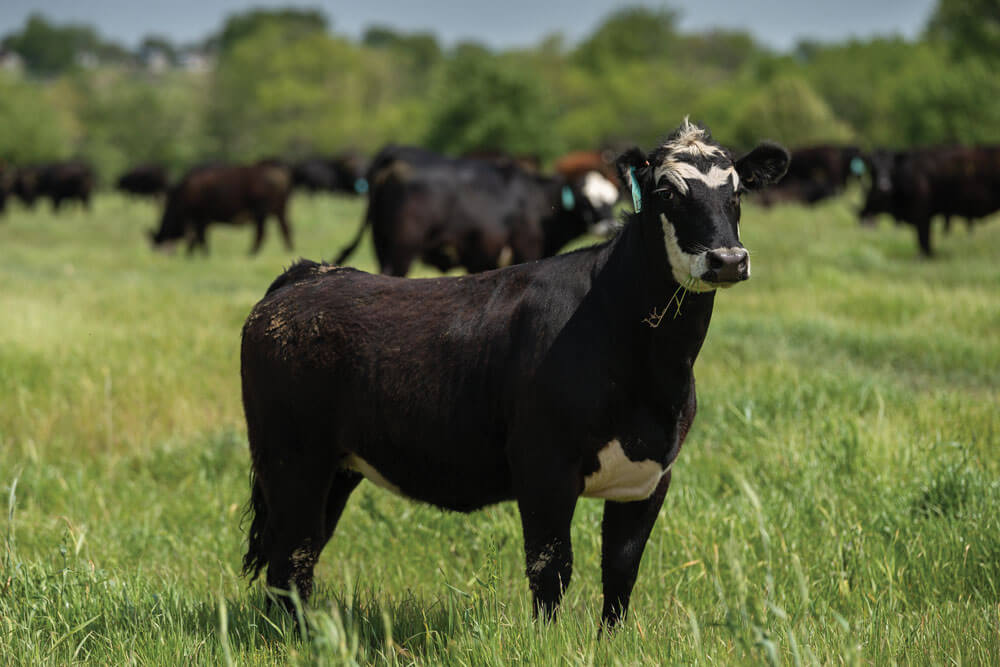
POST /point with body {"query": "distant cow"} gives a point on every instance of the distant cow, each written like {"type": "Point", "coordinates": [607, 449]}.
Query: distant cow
{"type": "Point", "coordinates": [59, 181]}
{"type": "Point", "coordinates": [816, 173]}
{"type": "Point", "coordinates": [343, 173]}
{"type": "Point", "coordinates": [314, 175]}
{"type": "Point", "coordinates": [470, 213]}
{"type": "Point", "coordinates": [540, 383]}
{"type": "Point", "coordinates": [6, 184]}
{"type": "Point", "coordinates": [576, 165]}
{"type": "Point", "coordinates": [913, 186]}
{"type": "Point", "coordinates": [349, 169]}
{"type": "Point", "coordinates": [225, 194]}
{"type": "Point", "coordinates": [150, 180]}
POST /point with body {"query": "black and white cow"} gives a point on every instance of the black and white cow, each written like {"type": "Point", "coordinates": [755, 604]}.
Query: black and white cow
{"type": "Point", "coordinates": [539, 383]}
{"type": "Point", "coordinates": [473, 213]}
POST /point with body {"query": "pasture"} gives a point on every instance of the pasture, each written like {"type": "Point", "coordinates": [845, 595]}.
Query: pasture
{"type": "Point", "coordinates": [837, 500]}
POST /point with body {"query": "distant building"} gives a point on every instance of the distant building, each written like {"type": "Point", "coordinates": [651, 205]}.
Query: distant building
{"type": "Point", "coordinates": [11, 61]}
{"type": "Point", "coordinates": [197, 61]}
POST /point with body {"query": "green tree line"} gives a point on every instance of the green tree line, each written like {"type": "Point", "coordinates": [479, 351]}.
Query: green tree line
{"type": "Point", "coordinates": [285, 83]}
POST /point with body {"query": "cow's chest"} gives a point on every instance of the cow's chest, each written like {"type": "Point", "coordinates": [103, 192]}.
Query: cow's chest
{"type": "Point", "coordinates": [620, 478]}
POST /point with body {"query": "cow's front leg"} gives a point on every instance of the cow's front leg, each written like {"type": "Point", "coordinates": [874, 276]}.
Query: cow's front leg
{"type": "Point", "coordinates": [546, 499]}
{"type": "Point", "coordinates": [624, 532]}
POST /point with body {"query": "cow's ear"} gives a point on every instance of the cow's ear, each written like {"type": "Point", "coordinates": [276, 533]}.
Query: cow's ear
{"type": "Point", "coordinates": [634, 171]}
{"type": "Point", "coordinates": [762, 166]}
{"type": "Point", "coordinates": [633, 158]}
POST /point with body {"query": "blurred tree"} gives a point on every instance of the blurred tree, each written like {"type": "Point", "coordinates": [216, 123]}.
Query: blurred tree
{"type": "Point", "coordinates": [969, 27]}
{"type": "Point", "coordinates": [420, 49]}
{"type": "Point", "coordinates": [486, 103]}
{"type": "Point", "coordinates": [789, 111]}
{"type": "Point", "coordinates": [856, 79]}
{"type": "Point", "coordinates": [35, 126]}
{"type": "Point", "coordinates": [937, 101]}
{"type": "Point", "coordinates": [630, 34]}
{"type": "Point", "coordinates": [293, 24]}
{"type": "Point", "coordinates": [49, 49]}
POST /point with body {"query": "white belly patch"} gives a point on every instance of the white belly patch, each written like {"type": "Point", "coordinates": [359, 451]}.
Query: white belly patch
{"type": "Point", "coordinates": [621, 479]}
{"type": "Point", "coordinates": [358, 464]}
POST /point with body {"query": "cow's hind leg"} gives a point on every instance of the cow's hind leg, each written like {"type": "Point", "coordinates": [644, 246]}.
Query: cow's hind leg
{"type": "Point", "coordinates": [303, 511]}
{"type": "Point", "coordinates": [624, 532]}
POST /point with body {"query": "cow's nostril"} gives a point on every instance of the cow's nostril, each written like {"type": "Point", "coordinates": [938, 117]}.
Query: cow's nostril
{"type": "Point", "coordinates": [715, 260]}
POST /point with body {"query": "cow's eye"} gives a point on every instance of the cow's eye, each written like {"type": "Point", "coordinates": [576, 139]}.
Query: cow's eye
{"type": "Point", "coordinates": [666, 192]}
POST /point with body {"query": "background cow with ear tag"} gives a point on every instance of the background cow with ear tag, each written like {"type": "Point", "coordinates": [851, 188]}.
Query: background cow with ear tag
{"type": "Point", "coordinates": [538, 383]}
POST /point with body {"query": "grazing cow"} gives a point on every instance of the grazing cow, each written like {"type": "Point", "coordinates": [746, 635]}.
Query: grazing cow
{"type": "Point", "coordinates": [816, 173]}
{"type": "Point", "coordinates": [471, 213]}
{"type": "Point", "coordinates": [148, 180]}
{"type": "Point", "coordinates": [6, 184]}
{"type": "Point", "coordinates": [913, 186]}
{"type": "Point", "coordinates": [538, 383]}
{"type": "Point", "coordinates": [25, 184]}
{"type": "Point", "coordinates": [225, 194]}
{"type": "Point", "coordinates": [59, 181]}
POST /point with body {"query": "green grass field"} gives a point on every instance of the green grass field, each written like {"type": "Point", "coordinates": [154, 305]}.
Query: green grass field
{"type": "Point", "coordinates": [837, 501]}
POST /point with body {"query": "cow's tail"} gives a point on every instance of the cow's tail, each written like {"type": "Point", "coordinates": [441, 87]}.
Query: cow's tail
{"type": "Point", "coordinates": [346, 252]}
{"type": "Point", "coordinates": [256, 555]}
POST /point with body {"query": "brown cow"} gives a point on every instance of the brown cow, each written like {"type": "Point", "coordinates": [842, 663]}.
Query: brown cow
{"type": "Point", "coordinates": [226, 194]}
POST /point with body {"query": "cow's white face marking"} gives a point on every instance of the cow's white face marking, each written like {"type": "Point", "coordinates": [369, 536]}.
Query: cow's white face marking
{"type": "Point", "coordinates": [358, 464]}
{"type": "Point", "coordinates": [689, 267]}
{"type": "Point", "coordinates": [598, 190]}
{"type": "Point", "coordinates": [621, 479]}
{"type": "Point", "coordinates": [679, 172]}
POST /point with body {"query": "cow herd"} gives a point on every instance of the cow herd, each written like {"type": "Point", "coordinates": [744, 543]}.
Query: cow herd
{"type": "Point", "coordinates": [913, 186]}
{"type": "Point", "coordinates": [487, 209]}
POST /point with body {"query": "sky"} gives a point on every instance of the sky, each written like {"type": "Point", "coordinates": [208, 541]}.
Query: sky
{"type": "Point", "coordinates": [779, 24]}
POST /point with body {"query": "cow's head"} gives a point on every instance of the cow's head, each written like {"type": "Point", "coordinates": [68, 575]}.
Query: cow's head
{"type": "Point", "coordinates": [881, 164]}
{"type": "Point", "coordinates": [691, 186]}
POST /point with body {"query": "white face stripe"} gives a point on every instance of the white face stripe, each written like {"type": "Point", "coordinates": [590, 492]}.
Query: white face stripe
{"type": "Point", "coordinates": [679, 172]}
{"type": "Point", "coordinates": [619, 478]}
{"type": "Point", "coordinates": [687, 267]}
{"type": "Point", "coordinates": [598, 190]}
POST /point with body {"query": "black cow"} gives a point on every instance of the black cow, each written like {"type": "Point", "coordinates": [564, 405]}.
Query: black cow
{"type": "Point", "coordinates": [233, 194]}
{"type": "Point", "coordinates": [349, 169]}
{"type": "Point", "coordinates": [148, 180]}
{"type": "Point", "coordinates": [816, 173]}
{"type": "Point", "coordinates": [314, 175]}
{"type": "Point", "coordinates": [539, 383]}
{"type": "Point", "coordinates": [915, 185]}
{"type": "Point", "coordinates": [59, 181]}
{"type": "Point", "coordinates": [471, 213]}
{"type": "Point", "coordinates": [6, 184]}
{"type": "Point", "coordinates": [25, 185]}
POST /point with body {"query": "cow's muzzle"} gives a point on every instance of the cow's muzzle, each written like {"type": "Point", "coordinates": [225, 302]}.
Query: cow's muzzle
{"type": "Point", "coordinates": [727, 266]}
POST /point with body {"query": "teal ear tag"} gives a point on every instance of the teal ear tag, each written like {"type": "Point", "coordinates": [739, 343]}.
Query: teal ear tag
{"type": "Point", "coordinates": [361, 186]}
{"type": "Point", "coordinates": [857, 166]}
{"type": "Point", "coordinates": [636, 193]}
{"type": "Point", "coordinates": [568, 200]}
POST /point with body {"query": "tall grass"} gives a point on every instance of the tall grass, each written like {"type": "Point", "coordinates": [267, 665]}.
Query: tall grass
{"type": "Point", "coordinates": [837, 499]}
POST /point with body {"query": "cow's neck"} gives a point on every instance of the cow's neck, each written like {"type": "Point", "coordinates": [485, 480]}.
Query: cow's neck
{"type": "Point", "coordinates": [646, 287]}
